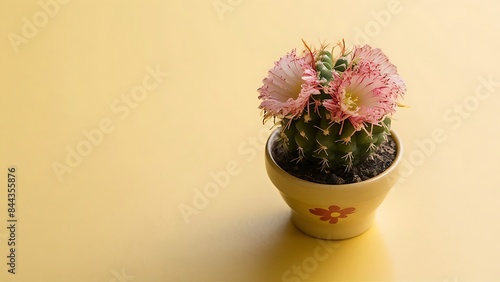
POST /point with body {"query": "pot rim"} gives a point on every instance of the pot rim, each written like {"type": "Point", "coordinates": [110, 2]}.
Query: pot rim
{"type": "Point", "coordinates": [350, 186]}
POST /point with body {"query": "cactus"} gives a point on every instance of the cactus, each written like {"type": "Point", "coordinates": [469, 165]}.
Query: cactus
{"type": "Point", "coordinates": [314, 137]}
{"type": "Point", "coordinates": [340, 117]}
{"type": "Point", "coordinates": [332, 145]}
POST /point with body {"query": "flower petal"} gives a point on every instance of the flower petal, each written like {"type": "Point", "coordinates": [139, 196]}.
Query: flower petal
{"type": "Point", "coordinates": [334, 208]}
{"type": "Point", "coordinates": [319, 211]}
{"type": "Point", "coordinates": [288, 86]}
{"type": "Point", "coordinates": [334, 220]}
{"type": "Point", "coordinates": [346, 211]}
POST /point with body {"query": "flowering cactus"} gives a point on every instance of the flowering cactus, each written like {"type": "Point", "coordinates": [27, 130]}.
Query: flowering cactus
{"type": "Point", "coordinates": [334, 110]}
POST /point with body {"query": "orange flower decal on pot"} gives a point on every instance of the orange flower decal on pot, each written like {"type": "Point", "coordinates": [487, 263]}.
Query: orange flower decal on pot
{"type": "Point", "coordinates": [332, 214]}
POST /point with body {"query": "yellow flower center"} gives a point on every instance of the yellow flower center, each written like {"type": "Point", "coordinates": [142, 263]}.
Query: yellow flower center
{"type": "Point", "coordinates": [335, 214]}
{"type": "Point", "coordinates": [351, 101]}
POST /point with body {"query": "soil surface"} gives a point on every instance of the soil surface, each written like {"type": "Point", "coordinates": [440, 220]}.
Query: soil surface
{"type": "Point", "coordinates": [377, 163]}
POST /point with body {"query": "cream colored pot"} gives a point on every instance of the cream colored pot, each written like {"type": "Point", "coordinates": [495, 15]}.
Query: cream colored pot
{"type": "Point", "coordinates": [332, 211]}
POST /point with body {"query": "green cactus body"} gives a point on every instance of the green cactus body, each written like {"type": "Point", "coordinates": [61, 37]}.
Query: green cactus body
{"type": "Point", "coordinates": [314, 137]}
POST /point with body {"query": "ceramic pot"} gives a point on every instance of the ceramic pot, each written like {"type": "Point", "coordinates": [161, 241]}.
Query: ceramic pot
{"type": "Point", "coordinates": [330, 211]}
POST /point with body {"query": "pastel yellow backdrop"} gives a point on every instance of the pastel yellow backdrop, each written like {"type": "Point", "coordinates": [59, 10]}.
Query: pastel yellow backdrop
{"type": "Point", "coordinates": [134, 129]}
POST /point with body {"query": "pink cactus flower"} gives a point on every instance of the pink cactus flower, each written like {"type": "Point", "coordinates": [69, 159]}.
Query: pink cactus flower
{"type": "Point", "coordinates": [367, 91]}
{"type": "Point", "coordinates": [369, 54]}
{"type": "Point", "coordinates": [288, 86]}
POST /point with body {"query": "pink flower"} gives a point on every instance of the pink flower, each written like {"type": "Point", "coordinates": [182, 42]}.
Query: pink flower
{"type": "Point", "coordinates": [288, 86]}
{"type": "Point", "coordinates": [332, 214]}
{"type": "Point", "coordinates": [367, 91]}
{"type": "Point", "coordinates": [374, 55]}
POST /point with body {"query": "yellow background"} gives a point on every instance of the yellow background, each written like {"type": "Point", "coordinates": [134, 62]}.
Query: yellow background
{"type": "Point", "coordinates": [174, 189]}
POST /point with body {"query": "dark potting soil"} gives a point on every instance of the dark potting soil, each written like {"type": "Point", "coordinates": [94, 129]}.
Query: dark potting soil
{"type": "Point", "coordinates": [377, 163]}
